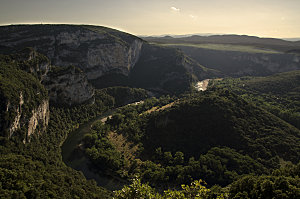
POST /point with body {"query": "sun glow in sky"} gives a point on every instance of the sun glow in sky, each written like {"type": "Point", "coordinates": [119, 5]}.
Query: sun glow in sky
{"type": "Point", "coordinates": [265, 18]}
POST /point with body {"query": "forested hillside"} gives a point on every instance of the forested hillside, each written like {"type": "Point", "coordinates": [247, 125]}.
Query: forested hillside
{"type": "Point", "coordinates": [202, 135]}
{"type": "Point", "coordinates": [278, 94]}
{"type": "Point", "coordinates": [146, 127]}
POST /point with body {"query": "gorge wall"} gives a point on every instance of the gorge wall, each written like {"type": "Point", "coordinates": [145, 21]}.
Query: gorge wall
{"type": "Point", "coordinates": [95, 50]}
{"type": "Point", "coordinates": [107, 57]}
{"type": "Point", "coordinates": [24, 101]}
{"type": "Point", "coordinates": [237, 64]}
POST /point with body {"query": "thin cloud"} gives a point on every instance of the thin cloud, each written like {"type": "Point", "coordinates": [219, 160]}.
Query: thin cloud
{"type": "Point", "coordinates": [193, 17]}
{"type": "Point", "coordinates": [175, 9]}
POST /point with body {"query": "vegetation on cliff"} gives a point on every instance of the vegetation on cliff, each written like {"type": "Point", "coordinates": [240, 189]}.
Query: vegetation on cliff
{"type": "Point", "coordinates": [20, 94]}
{"type": "Point", "coordinates": [241, 136]}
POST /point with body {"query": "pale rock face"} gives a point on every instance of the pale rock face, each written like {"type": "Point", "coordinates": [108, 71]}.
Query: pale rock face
{"type": "Point", "coordinates": [41, 68]}
{"type": "Point", "coordinates": [37, 64]}
{"type": "Point", "coordinates": [70, 87]}
{"type": "Point", "coordinates": [40, 116]}
{"type": "Point", "coordinates": [16, 123]}
{"type": "Point", "coordinates": [94, 52]}
{"type": "Point", "coordinates": [77, 37]}
{"type": "Point", "coordinates": [106, 57]}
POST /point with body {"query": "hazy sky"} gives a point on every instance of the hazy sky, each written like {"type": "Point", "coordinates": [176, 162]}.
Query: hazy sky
{"type": "Point", "coordinates": [267, 18]}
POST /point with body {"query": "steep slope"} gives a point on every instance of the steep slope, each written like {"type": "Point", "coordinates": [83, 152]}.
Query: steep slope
{"type": "Point", "coordinates": [24, 101]}
{"type": "Point", "coordinates": [238, 61]}
{"type": "Point", "coordinates": [238, 55]}
{"type": "Point", "coordinates": [108, 57]}
{"type": "Point", "coordinates": [278, 93]}
{"type": "Point", "coordinates": [30, 162]}
{"type": "Point", "coordinates": [68, 86]}
{"type": "Point", "coordinates": [222, 119]}
{"type": "Point", "coordinates": [65, 85]}
{"type": "Point", "coordinates": [167, 69]}
{"type": "Point", "coordinates": [96, 50]}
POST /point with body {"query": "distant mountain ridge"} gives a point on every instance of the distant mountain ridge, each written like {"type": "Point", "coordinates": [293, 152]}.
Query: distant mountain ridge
{"type": "Point", "coordinates": [273, 43]}
{"type": "Point", "coordinates": [237, 55]}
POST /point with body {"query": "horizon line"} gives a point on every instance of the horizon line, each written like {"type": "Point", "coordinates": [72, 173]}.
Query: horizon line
{"type": "Point", "coordinates": [155, 35]}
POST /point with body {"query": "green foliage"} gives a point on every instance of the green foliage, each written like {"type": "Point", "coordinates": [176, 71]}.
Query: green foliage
{"type": "Point", "coordinates": [29, 60]}
{"type": "Point", "coordinates": [36, 170]}
{"type": "Point", "coordinates": [23, 177]}
{"type": "Point", "coordinates": [214, 135]}
{"type": "Point", "coordinates": [221, 118]}
{"type": "Point", "coordinates": [127, 120]}
{"type": "Point", "coordinates": [125, 95]}
{"type": "Point", "coordinates": [219, 165]}
{"type": "Point", "coordinates": [100, 150]}
{"type": "Point", "coordinates": [138, 190]}
{"type": "Point", "coordinates": [279, 94]}
{"type": "Point", "coordinates": [17, 86]}
{"type": "Point", "coordinates": [161, 68]}
{"type": "Point", "coordinates": [284, 183]}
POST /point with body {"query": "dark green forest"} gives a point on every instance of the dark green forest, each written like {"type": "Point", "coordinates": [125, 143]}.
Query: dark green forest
{"type": "Point", "coordinates": [202, 135]}
{"type": "Point", "coordinates": [151, 130]}
{"type": "Point", "coordinates": [223, 136]}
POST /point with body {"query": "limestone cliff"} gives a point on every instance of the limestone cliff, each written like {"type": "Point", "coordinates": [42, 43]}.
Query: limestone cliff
{"type": "Point", "coordinates": [40, 117]}
{"type": "Point", "coordinates": [36, 123]}
{"type": "Point", "coordinates": [95, 50]}
{"type": "Point", "coordinates": [65, 85]}
{"type": "Point", "coordinates": [24, 104]}
{"type": "Point", "coordinates": [106, 56]}
{"type": "Point", "coordinates": [33, 62]}
{"type": "Point", "coordinates": [68, 86]}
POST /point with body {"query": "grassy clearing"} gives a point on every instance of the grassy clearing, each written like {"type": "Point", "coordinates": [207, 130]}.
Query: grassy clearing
{"type": "Point", "coordinates": [122, 145]}
{"type": "Point", "coordinates": [227, 47]}
{"type": "Point", "coordinates": [156, 108]}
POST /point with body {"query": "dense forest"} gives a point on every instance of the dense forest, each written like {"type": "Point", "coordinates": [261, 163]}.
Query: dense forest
{"type": "Point", "coordinates": [199, 136]}
{"type": "Point", "coordinates": [279, 94]}
{"type": "Point", "coordinates": [150, 130]}
{"type": "Point", "coordinates": [167, 142]}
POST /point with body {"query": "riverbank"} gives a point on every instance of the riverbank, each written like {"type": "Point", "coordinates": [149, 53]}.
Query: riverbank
{"type": "Point", "coordinates": [74, 157]}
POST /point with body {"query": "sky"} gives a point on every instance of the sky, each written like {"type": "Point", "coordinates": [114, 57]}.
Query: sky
{"type": "Point", "coordinates": [264, 18]}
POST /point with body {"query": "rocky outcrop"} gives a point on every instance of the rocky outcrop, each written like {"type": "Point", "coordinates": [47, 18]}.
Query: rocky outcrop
{"type": "Point", "coordinates": [107, 57]}
{"type": "Point", "coordinates": [40, 117]}
{"type": "Point", "coordinates": [36, 123]}
{"type": "Point", "coordinates": [34, 63]}
{"type": "Point", "coordinates": [16, 124]}
{"type": "Point", "coordinates": [24, 104]}
{"type": "Point", "coordinates": [68, 86]}
{"type": "Point", "coordinates": [116, 57]}
{"type": "Point", "coordinates": [95, 50]}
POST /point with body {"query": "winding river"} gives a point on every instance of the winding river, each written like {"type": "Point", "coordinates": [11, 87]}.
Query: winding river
{"type": "Point", "coordinates": [74, 157]}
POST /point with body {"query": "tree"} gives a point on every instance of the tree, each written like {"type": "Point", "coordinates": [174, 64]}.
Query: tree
{"type": "Point", "coordinates": [179, 157]}
{"type": "Point", "coordinates": [137, 190]}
